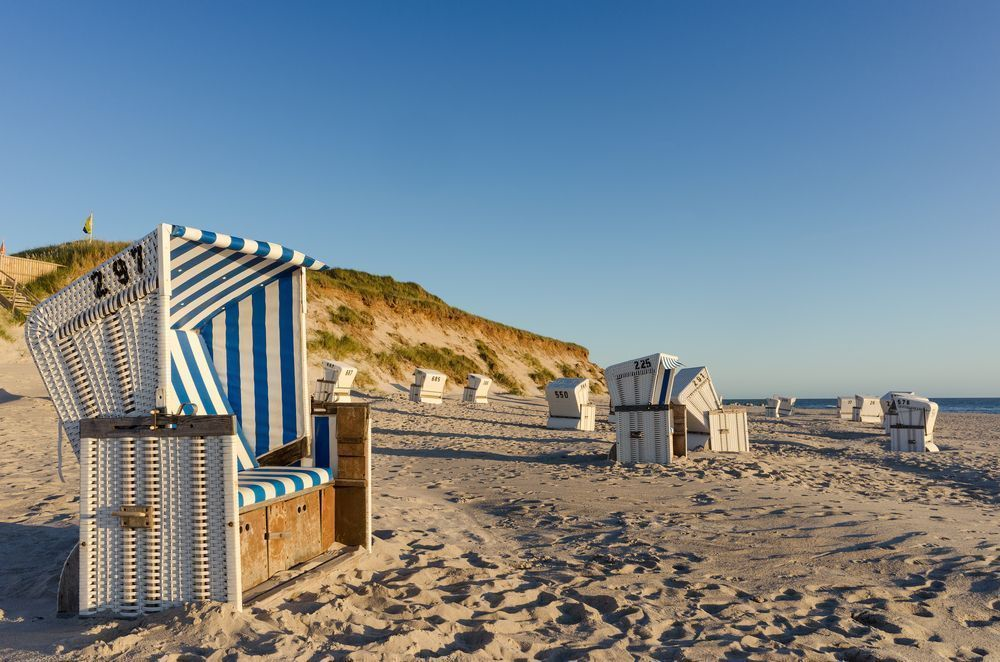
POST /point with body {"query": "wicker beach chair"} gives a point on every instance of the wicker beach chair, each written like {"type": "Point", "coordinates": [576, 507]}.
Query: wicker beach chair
{"type": "Point", "coordinates": [477, 389]}
{"type": "Point", "coordinates": [569, 404]}
{"type": "Point", "coordinates": [178, 370]}
{"type": "Point", "coordinates": [645, 420]}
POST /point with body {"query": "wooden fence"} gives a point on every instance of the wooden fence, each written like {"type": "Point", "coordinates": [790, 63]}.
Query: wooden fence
{"type": "Point", "coordinates": [25, 270]}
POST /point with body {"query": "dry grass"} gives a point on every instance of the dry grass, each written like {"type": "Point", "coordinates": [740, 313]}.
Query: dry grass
{"type": "Point", "coordinates": [358, 321]}
{"type": "Point", "coordinates": [6, 324]}
{"type": "Point", "coordinates": [494, 369]}
{"type": "Point", "coordinates": [336, 347]}
{"type": "Point", "coordinates": [539, 374]}
{"type": "Point", "coordinates": [77, 258]}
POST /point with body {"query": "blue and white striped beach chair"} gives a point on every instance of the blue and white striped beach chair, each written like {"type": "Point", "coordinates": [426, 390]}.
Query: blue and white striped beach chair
{"type": "Point", "coordinates": [197, 323]}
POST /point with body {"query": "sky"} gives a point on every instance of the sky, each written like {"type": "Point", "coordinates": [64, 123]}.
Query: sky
{"type": "Point", "coordinates": [803, 196]}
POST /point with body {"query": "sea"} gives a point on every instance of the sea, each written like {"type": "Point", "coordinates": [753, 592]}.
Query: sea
{"type": "Point", "coordinates": [963, 405]}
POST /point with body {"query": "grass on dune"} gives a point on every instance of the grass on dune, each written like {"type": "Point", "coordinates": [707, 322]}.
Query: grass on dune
{"type": "Point", "coordinates": [493, 369]}
{"type": "Point", "coordinates": [76, 258]}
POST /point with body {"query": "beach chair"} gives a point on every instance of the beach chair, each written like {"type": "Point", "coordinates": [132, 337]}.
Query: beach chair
{"type": "Point", "coordinates": [889, 415]}
{"type": "Point", "coordinates": [569, 404]}
{"type": "Point", "coordinates": [428, 386]}
{"type": "Point", "coordinates": [477, 389]}
{"type": "Point", "coordinates": [641, 391]}
{"type": "Point", "coordinates": [772, 408]}
{"type": "Point", "coordinates": [335, 385]}
{"type": "Point", "coordinates": [845, 408]}
{"type": "Point", "coordinates": [785, 407]}
{"type": "Point", "coordinates": [914, 431]}
{"type": "Point", "coordinates": [178, 371]}
{"type": "Point", "coordinates": [728, 430]}
{"type": "Point", "coordinates": [694, 391]}
{"type": "Point", "coordinates": [867, 409]}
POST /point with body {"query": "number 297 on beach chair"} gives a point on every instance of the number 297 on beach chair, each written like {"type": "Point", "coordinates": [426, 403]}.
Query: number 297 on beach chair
{"type": "Point", "coordinates": [178, 371]}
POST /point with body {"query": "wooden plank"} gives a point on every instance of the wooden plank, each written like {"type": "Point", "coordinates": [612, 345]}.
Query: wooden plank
{"type": "Point", "coordinates": [352, 422]}
{"type": "Point", "coordinates": [287, 455]}
{"type": "Point", "coordinates": [351, 468]}
{"type": "Point", "coordinates": [307, 535]}
{"type": "Point", "coordinates": [340, 558]}
{"type": "Point", "coordinates": [139, 426]}
{"type": "Point", "coordinates": [350, 448]}
{"type": "Point", "coordinates": [328, 516]}
{"type": "Point", "coordinates": [351, 516]}
{"type": "Point", "coordinates": [679, 440]}
{"type": "Point", "coordinates": [253, 548]}
{"type": "Point", "coordinates": [278, 526]}
{"type": "Point", "coordinates": [68, 598]}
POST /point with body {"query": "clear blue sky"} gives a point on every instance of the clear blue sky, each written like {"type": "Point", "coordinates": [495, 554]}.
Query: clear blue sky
{"type": "Point", "coordinates": [805, 196]}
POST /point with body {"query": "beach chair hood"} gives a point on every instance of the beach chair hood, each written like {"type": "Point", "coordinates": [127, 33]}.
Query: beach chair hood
{"type": "Point", "coordinates": [182, 317]}
{"type": "Point", "coordinates": [647, 380]}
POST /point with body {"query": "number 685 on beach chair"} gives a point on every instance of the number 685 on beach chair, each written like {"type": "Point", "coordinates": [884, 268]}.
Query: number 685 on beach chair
{"type": "Point", "coordinates": [178, 370]}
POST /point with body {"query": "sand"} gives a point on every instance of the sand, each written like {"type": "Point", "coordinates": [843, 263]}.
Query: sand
{"type": "Point", "coordinates": [497, 538]}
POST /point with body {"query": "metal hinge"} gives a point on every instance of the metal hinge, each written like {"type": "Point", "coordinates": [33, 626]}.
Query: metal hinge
{"type": "Point", "coordinates": [135, 517]}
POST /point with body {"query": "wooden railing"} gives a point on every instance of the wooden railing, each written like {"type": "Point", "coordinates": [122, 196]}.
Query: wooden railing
{"type": "Point", "coordinates": [14, 297]}
{"type": "Point", "coordinates": [25, 269]}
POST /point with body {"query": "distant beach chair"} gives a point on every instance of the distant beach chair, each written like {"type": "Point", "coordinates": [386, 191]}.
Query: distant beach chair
{"type": "Point", "coordinates": [178, 370]}
{"type": "Point", "coordinates": [477, 389]}
{"type": "Point", "coordinates": [729, 431]}
{"type": "Point", "coordinates": [335, 385]}
{"type": "Point", "coordinates": [867, 409]}
{"type": "Point", "coordinates": [694, 394]}
{"type": "Point", "coordinates": [569, 404]}
{"type": "Point", "coordinates": [785, 407]}
{"type": "Point", "coordinates": [641, 391]}
{"type": "Point", "coordinates": [772, 408]}
{"type": "Point", "coordinates": [845, 408]}
{"type": "Point", "coordinates": [428, 386]}
{"type": "Point", "coordinates": [889, 415]}
{"type": "Point", "coordinates": [700, 418]}
{"type": "Point", "coordinates": [914, 430]}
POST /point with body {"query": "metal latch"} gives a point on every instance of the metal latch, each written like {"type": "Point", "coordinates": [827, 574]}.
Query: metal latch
{"type": "Point", "coordinates": [135, 517]}
{"type": "Point", "coordinates": [276, 535]}
{"type": "Point", "coordinates": [635, 434]}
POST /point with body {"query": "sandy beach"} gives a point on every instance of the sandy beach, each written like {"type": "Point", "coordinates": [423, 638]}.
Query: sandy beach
{"type": "Point", "coordinates": [497, 538]}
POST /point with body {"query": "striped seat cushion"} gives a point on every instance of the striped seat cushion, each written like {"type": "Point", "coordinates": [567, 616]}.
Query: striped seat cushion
{"type": "Point", "coordinates": [265, 483]}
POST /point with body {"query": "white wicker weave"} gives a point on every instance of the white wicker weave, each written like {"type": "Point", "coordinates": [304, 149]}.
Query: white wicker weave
{"type": "Point", "coordinates": [191, 551]}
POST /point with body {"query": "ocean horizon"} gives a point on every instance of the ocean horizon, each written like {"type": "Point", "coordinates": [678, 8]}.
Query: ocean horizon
{"type": "Point", "coordinates": [955, 405]}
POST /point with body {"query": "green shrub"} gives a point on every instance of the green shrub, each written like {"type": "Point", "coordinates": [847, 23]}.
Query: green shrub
{"type": "Point", "coordinates": [492, 363]}
{"type": "Point", "coordinates": [567, 370]}
{"type": "Point", "coordinates": [539, 374]}
{"type": "Point", "coordinates": [356, 320]}
{"type": "Point", "coordinates": [456, 366]}
{"type": "Point", "coordinates": [336, 347]}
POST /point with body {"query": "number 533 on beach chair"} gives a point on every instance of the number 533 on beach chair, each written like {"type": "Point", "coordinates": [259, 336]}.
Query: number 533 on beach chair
{"type": "Point", "coordinates": [178, 370]}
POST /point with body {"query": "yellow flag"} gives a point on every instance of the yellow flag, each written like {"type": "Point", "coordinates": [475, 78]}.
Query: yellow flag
{"type": "Point", "coordinates": [88, 225]}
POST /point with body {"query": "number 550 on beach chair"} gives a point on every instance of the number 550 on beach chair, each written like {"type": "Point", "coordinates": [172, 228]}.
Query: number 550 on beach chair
{"type": "Point", "coordinates": [178, 370]}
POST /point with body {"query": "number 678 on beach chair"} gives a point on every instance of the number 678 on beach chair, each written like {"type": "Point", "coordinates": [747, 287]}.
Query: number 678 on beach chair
{"type": "Point", "coordinates": [178, 370]}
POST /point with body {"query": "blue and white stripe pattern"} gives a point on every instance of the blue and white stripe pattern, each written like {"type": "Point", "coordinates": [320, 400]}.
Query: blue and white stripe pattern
{"type": "Point", "coordinates": [193, 380]}
{"type": "Point", "coordinates": [670, 364]}
{"type": "Point", "coordinates": [245, 299]}
{"type": "Point", "coordinates": [208, 270]}
{"type": "Point", "coordinates": [266, 483]}
{"type": "Point", "coordinates": [255, 344]}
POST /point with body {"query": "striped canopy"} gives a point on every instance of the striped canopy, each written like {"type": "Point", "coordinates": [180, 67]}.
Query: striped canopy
{"type": "Point", "coordinates": [236, 336]}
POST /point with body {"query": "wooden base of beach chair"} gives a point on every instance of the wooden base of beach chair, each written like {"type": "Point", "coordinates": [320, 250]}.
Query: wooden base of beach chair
{"type": "Point", "coordinates": [679, 439]}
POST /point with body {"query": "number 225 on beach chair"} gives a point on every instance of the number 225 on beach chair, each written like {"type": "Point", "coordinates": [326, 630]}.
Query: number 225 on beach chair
{"type": "Point", "coordinates": [178, 370]}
